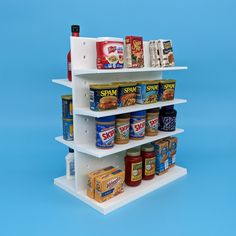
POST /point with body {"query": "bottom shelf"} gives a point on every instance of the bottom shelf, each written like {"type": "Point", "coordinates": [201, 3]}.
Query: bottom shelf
{"type": "Point", "coordinates": [130, 193]}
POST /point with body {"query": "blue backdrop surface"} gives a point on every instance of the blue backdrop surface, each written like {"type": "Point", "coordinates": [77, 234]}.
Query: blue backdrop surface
{"type": "Point", "coordinates": [33, 46]}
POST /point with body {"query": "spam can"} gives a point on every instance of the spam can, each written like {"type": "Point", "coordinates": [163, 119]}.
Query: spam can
{"type": "Point", "coordinates": [67, 107]}
{"type": "Point", "coordinates": [68, 133]}
{"type": "Point", "coordinates": [166, 90]}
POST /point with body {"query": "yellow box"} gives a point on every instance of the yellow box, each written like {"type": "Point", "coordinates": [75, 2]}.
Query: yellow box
{"type": "Point", "coordinates": [91, 179]}
{"type": "Point", "coordinates": [109, 185]}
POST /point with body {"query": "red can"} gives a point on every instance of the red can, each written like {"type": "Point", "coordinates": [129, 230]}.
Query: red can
{"type": "Point", "coordinates": [148, 161]}
{"type": "Point", "coordinates": [110, 53]}
{"type": "Point", "coordinates": [133, 167]}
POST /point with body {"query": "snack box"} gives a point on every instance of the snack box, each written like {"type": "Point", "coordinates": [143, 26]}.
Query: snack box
{"type": "Point", "coordinates": [172, 151]}
{"type": "Point", "coordinates": [109, 185]}
{"type": "Point", "coordinates": [93, 175]}
{"type": "Point", "coordinates": [161, 151]}
{"type": "Point", "coordinates": [134, 51]}
{"type": "Point", "coordinates": [166, 90]}
{"type": "Point", "coordinates": [166, 52]}
{"type": "Point", "coordinates": [154, 54]}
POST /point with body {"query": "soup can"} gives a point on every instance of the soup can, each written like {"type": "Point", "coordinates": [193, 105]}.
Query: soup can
{"type": "Point", "coordinates": [67, 107]}
{"type": "Point", "coordinates": [68, 133]}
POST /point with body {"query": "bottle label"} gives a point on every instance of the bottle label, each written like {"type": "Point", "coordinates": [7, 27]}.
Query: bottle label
{"type": "Point", "coordinates": [167, 123]}
{"type": "Point", "coordinates": [69, 66]}
{"type": "Point", "coordinates": [149, 166]}
{"type": "Point", "coordinates": [136, 171]}
{"type": "Point", "coordinates": [72, 168]}
{"type": "Point", "coordinates": [137, 128]}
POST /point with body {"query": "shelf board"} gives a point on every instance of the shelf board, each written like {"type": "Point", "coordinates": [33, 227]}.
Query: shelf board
{"type": "Point", "coordinates": [137, 107]}
{"type": "Point", "coordinates": [127, 70]}
{"type": "Point", "coordinates": [64, 82]}
{"type": "Point", "coordinates": [91, 149]}
{"type": "Point", "coordinates": [69, 144]}
{"type": "Point", "coordinates": [130, 193]}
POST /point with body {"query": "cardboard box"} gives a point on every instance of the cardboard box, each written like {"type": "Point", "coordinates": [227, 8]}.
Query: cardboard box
{"type": "Point", "coordinates": [109, 185]}
{"type": "Point", "coordinates": [172, 151]}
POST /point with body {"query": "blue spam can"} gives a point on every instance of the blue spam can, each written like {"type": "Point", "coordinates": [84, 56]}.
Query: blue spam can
{"type": "Point", "coordinates": [105, 132]}
{"type": "Point", "coordinates": [67, 107]}
{"type": "Point", "coordinates": [137, 124]}
{"type": "Point", "coordinates": [68, 133]}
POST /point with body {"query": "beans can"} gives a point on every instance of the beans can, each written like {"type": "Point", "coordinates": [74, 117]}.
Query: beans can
{"type": "Point", "coordinates": [110, 53]}
{"type": "Point", "coordinates": [152, 119]}
{"type": "Point", "coordinates": [67, 107]}
{"type": "Point", "coordinates": [105, 132]}
{"type": "Point", "coordinates": [122, 129]}
{"type": "Point", "coordinates": [137, 125]}
{"type": "Point", "coordinates": [68, 133]}
{"type": "Point", "coordinates": [147, 92]}
{"type": "Point", "coordinates": [166, 90]}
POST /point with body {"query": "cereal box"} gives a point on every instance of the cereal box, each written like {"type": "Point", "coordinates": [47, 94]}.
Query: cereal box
{"type": "Point", "coordinates": [134, 51]}
{"type": "Point", "coordinates": [91, 179]}
{"type": "Point", "coordinates": [166, 52]}
{"type": "Point", "coordinates": [109, 185]}
{"type": "Point", "coordinates": [161, 152]}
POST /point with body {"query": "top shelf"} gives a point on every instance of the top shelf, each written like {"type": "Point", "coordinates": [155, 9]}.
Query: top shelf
{"type": "Point", "coordinates": [127, 70]}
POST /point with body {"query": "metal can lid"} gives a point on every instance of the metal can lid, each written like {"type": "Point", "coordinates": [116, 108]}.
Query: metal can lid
{"type": "Point", "coordinates": [147, 148]}
{"type": "Point", "coordinates": [133, 152]}
{"type": "Point", "coordinates": [139, 113]}
{"type": "Point", "coordinates": [66, 97]}
{"type": "Point", "coordinates": [106, 119]}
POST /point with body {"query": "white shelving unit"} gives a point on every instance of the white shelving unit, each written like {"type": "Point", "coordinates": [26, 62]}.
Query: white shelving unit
{"type": "Point", "coordinates": [89, 158]}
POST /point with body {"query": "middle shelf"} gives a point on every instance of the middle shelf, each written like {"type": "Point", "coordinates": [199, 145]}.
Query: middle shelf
{"type": "Point", "coordinates": [91, 149]}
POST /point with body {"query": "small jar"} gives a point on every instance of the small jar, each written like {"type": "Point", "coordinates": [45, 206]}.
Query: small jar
{"type": "Point", "coordinates": [167, 119]}
{"type": "Point", "coordinates": [137, 125]}
{"type": "Point", "coordinates": [149, 161]}
{"type": "Point", "coordinates": [105, 132]}
{"type": "Point", "coordinates": [133, 167]}
{"type": "Point", "coordinates": [122, 129]}
{"type": "Point", "coordinates": [152, 119]}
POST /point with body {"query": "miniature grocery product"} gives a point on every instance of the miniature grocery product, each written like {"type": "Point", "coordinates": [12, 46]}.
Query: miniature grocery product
{"type": "Point", "coordinates": [133, 167]}
{"type": "Point", "coordinates": [167, 119]}
{"type": "Point", "coordinates": [68, 133]}
{"type": "Point", "coordinates": [161, 151]}
{"type": "Point", "coordinates": [75, 30]}
{"type": "Point", "coordinates": [110, 53]}
{"type": "Point", "coordinates": [134, 51]}
{"type": "Point", "coordinates": [166, 52]}
{"type": "Point", "coordinates": [155, 60]}
{"type": "Point", "coordinates": [172, 151]}
{"type": "Point", "coordinates": [105, 132]}
{"type": "Point", "coordinates": [93, 175]}
{"type": "Point", "coordinates": [166, 90]}
{"type": "Point", "coordinates": [70, 164]}
{"type": "Point", "coordinates": [126, 93]}
{"type": "Point", "coordinates": [109, 185]}
{"type": "Point", "coordinates": [137, 125]}
{"type": "Point", "coordinates": [148, 161]}
{"type": "Point", "coordinates": [122, 129]}
{"type": "Point", "coordinates": [103, 97]}
{"type": "Point", "coordinates": [152, 119]}
{"type": "Point", "coordinates": [147, 92]}
{"type": "Point", "coordinates": [67, 107]}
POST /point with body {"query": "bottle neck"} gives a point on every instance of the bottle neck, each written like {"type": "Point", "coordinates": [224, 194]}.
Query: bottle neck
{"type": "Point", "coordinates": [75, 34]}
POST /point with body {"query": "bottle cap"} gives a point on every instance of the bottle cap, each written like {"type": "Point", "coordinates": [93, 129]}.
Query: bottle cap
{"type": "Point", "coordinates": [75, 28]}
{"type": "Point", "coordinates": [133, 152]}
{"type": "Point", "coordinates": [71, 150]}
{"type": "Point", "coordinates": [147, 148]}
{"type": "Point", "coordinates": [139, 113]}
{"type": "Point", "coordinates": [169, 107]}
{"type": "Point", "coordinates": [106, 119]}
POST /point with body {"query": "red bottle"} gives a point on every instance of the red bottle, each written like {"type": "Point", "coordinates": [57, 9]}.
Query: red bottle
{"type": "Point", "coordinates": [75, 30]}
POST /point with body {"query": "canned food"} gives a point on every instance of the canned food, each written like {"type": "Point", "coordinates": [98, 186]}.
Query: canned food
{"type": "Point", "coordinates": [103, 97]}
{"type": "Point", "coordinates": [105, 132]}
{"type": "Point", "coordinates": [137, 125]}
{"type": "Point", "coordinates": [67, 107]}
{"type": "Point", "coordinates": [68, 133]}
{"type": "Point", "coordinates": [147, 92]}
{"type": "Point", "coordinates": [166, 90]}
{"type": "Point", "coordinates": [122, 129]}
{"type": "Point", "coordinates": [152, 120]}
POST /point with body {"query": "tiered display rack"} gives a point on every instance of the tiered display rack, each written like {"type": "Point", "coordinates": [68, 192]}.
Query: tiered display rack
{"type": "Point", "coordinates": [89, 158]}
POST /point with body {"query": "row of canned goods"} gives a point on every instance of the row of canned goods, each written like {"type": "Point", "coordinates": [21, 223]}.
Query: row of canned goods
{"type": "Point", "coordinates": [120, 129]}
{"type": "Point", "coordinates": [111, 96]}
{"type": "Point", "coordinates": [67, 117]}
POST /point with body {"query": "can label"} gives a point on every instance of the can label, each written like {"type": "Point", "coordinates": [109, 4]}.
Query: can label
{"type": "Point", "coordinates": [136, 171]}
{"type": "Point", "coordinates": [137, 128]}
{"type": "Point", "coordinates": [147, 93]}
{"type": "Point", "coordinates": [149, 166]}
{"type": "Point", "coordinates": [127, 95]}
{"type": "Point", "coordinates": [67, 109]}
{"type": "Point", "coordinates": [68, 130]}
{"type": "Point", "coordinates": [105, 136]}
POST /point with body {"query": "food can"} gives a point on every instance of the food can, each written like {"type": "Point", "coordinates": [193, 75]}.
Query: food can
{"type": "Point", "coordinates": [68, 133]}
{"type": "Point", "coordinates": [147, 92]}
{"type": "Point", "coordinates": [137, 125]}
{"type": "Point", "coordinates": [105, 132]}
{"type": "Point", "coordinates": [166, 90]}
{"type": "Point", "coordinates": [126, 94]}
{"type": "Point", "coordinates": [122, 129]}
{"type": "Point", "coordinates": [110, 53]}
{"type": "Point", "coordinates": [103, 97]}
{"type": "Point", "coordinates": [67, 107]}
{"type": "Point", "coordinates": [152, 119]}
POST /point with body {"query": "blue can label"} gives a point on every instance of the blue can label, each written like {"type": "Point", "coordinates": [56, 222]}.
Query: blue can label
{"type": "Point", "coordinates": [67, 109]}
{"type": "Point", "coordinates": [105, 135]}
{"type": "Point", "coordinates": [137, 128]}
{"type": "Point", "coordinates": [147, 93]}
{"type": "Point", "coordinates": [68, 130]}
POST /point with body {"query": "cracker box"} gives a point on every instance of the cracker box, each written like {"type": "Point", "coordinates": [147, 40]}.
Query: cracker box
{"type": "Point", "coordinates": [155, 59]}
{"type": "Point", "coordinates": [161, 152]}
{"type": "Point", "coordinates": [91, 179]}
{"type": "Point", "coordinates": [109, 185]}
{"type": "Point", "coordinates": [166, 52]}
{"type": "Point", "coordinates": [172, 151]}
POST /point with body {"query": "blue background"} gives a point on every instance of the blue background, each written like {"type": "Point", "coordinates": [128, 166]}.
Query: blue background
{"type": "Point", "coordinates": [34, 43]}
